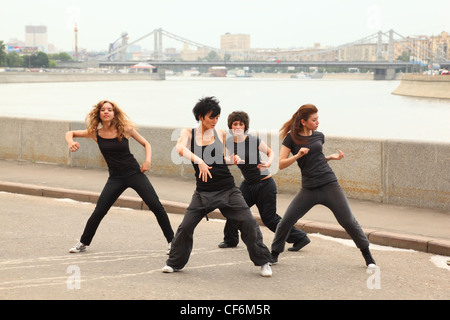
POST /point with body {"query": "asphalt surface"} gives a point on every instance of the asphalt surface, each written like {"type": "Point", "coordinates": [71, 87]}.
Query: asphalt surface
{"type": "Point", "coordinates": [127, 254]}
{"type": "Point", "coordinates": [394, 225]}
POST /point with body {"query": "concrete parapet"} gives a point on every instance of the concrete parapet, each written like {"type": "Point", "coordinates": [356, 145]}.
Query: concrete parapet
{"type": "Point", "coordinates": [33, 140]}
{"type": "Point", "coordinates": [410, 173]}
{"type": "Point", "coordinates": [417, 174]}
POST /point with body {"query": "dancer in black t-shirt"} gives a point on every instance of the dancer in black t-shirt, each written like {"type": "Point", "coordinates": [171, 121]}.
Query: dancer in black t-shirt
{"type": "Point", "coordinates": [203, 146]}
{"type": "Point", "coordinates": [319, 183]}
{"type": "Point", "coordinates": [109, 126]}
{"type": "Point", "coordinates": [258, 186]}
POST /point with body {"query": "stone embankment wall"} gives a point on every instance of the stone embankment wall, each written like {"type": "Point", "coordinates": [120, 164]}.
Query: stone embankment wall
{"type": "Point", "coordinates": [424, 86]}
{"type": "Point", "coordinates": [387, 171]}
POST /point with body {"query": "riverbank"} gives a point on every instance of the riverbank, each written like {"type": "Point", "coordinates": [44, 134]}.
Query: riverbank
{"type": "Point", "coordinates": [424, 86]}
{"type": "Point", "coordinates": [32, 77]}
{"type": "Point", "coordinates": [326, 76]}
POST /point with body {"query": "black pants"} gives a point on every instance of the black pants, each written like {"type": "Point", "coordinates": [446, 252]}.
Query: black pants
{"type": "Point", "coordinates": [264, 196]}
{"type": "Point", "coordinates": [114, 187]}
{"type": "Point", "coordinates": [330, 195]}
{"type": "Point", "coordinates": [232, 205]}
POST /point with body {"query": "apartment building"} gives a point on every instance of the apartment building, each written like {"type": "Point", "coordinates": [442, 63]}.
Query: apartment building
{"type": "Point", "coordinates": [36, 36]}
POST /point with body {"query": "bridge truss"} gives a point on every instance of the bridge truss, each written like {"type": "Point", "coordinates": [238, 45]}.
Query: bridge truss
{"type": "Point", "coordinates": [378, 38]}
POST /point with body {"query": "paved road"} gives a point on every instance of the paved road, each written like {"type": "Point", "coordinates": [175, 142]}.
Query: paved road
{"type": "Point", "coordinates": [128, 252]}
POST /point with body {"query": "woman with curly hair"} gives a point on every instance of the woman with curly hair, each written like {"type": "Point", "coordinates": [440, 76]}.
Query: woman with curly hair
{"type": "Point", "coordinates": [111, 128]}
{"type": "Point", "coordinates": [319, 183]}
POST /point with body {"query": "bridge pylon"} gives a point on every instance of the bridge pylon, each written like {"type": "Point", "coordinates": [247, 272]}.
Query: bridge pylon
{"type": "Point", "coordinates": [158, 44]}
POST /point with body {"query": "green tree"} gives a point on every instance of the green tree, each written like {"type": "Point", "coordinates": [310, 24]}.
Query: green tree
{"type": "Point", "coordinates": [39, 60]}
{"type": "Point", "coordinates": [404, 57]}
{"type": "Point", "coordinates": [62, 56]}
{"type": "Point", "coordinates": [212, 56]}
{"type": "Point", "coordinates": [14, 59]}
{"type": "Point", "coordinates": [2, 54]}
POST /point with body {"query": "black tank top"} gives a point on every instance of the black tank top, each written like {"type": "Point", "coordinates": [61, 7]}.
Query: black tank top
{"type": "Point", "coordinates": [248, 150]}
{"type": "Point", "coordinates": [212, 154]}
{"type": "Point", "coordinates": [118, 157]}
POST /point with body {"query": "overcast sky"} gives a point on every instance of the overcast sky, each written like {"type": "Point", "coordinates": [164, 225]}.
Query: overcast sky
{"type": "Point", "coordinates": [271, 24]}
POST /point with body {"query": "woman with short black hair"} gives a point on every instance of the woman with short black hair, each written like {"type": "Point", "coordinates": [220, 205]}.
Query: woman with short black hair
{"type": "Point", "coordinates": [215, 189]}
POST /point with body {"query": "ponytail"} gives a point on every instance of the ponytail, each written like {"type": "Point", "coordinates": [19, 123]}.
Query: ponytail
{"type": "Point", "coordinates": [294, 125]}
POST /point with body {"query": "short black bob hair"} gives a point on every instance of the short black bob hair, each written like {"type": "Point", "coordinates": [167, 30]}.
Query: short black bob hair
{"type": "Point", "coordinates": [204, 106]}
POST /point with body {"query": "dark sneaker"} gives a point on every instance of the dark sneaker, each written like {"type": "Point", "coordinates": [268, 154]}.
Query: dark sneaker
{"type": "Point", "coordinates": [368, 257]}
{"type": "Point", "coordinates": [274, 257]}
{"type": "Point", "coordinates": [226, 245]}
{"type": "Point", "coordinates": [300, 244]}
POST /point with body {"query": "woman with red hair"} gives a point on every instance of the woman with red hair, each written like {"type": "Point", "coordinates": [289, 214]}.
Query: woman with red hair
{"type": "Point", "coordinates": [319, 183]}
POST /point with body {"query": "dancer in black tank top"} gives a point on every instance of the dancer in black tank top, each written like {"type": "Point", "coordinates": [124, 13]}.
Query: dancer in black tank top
{"type": "Point", "coordinates": [124, 170]}
{"type": "Point", "coordinates": [216, 189]}
{"type": "Point", "coordinates": [258, 186]}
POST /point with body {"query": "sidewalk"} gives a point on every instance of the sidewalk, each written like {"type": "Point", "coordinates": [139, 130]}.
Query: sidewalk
{"type": "Point", "coordinates": [397, 226]}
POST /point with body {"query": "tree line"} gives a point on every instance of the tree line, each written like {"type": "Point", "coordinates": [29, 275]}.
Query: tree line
{"type": "Point", "coordinates": [35, 60]}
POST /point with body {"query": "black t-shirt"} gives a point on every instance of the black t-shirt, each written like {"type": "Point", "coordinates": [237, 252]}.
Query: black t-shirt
{"type": "Point", "coordinates": [314, 167]}
{"type": "Point", "coordinates": [248, 150]}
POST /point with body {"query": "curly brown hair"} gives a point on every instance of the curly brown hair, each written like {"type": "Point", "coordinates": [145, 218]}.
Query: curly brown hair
{"type": "Point", "coordinates": [120, 121]}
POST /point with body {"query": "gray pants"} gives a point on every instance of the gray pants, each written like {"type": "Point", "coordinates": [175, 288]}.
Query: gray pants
{"type": "Point", "coordinates": [233, 206]}
{"type": "Point", "coordinates": [330, 195]}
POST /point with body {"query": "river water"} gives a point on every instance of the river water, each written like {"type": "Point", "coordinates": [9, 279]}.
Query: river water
{"type": "Point", "coordinates": [349, 108]}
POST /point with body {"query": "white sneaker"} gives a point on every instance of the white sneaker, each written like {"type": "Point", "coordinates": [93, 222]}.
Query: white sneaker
{"type": "Point", "coordinates": [266, 271]}
{"type": "Point", "coordinates": [168, 248]}
{"type": "Point", "coordinates": [80, 247]}
{"type": "Point", "coordinates": [168, 269]}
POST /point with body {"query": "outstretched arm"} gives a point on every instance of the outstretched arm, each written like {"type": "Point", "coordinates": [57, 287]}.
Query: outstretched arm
{"type": "Point", "coordinates": [335, 156]}
{"type": "Point", "coordinates": [74, 145]}
{"type": "Point", "coordinates": [285, 161]}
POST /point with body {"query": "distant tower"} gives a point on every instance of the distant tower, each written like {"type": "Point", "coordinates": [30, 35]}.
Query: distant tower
{"type": "Point", "coordinates": [76, 42]}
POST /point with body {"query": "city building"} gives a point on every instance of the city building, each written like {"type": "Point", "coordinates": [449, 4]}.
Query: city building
{"type": "Point", "coordinates": [441, 44]}
{"type": "Point", "coordinates": [363, 52]}
{"type": "Point", "coordinates": [188, 54]}
{"type": "Point", "coordinates": [36, 36]}
{"type": "Point", "coordinates": [235, 42]}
